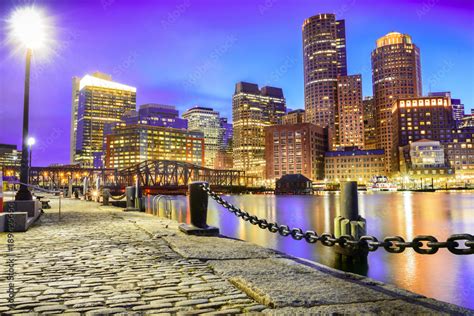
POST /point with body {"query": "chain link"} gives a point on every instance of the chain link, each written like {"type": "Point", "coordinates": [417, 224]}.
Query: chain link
{"type": "Point", "coordinates": [426, 245]}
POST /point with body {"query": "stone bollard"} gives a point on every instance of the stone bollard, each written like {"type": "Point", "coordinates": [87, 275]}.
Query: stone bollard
{"type": "Point", "coordinates": [76, 194]}
{"type": "Point", "coordinates": [105, 197]}
{"type": "Point", "coordinates": [131, 200]}
{"type": "Point", "coordinates": [198, 201]}
{"type": "Point", "coordinates": [348, 221]}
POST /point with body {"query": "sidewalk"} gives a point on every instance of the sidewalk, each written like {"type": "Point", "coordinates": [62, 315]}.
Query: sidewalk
{"type": "Point", "coordinates": [101, 260]}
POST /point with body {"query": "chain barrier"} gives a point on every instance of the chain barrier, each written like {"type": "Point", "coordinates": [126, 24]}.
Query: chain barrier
{"type": "Point", "coordinates": [423, 244]}
{"type": "Point", "coordinates": [117, 198]}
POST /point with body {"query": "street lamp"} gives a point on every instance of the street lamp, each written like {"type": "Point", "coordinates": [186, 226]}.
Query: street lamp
{"type": "Point", "coordinates": [29, 28]}
{"type": "Point", "coordinates": [31, 141]}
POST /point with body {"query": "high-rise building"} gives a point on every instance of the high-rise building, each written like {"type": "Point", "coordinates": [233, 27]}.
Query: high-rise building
{"type": "Point", "coordinates": [324, 58]}
{"type": "Point", "coordinates": [294, 117]}
{"type": "Point", "coordinates": [396, 73]}
{"type": "Point", "coordinates": [227, 133]}
{"type": "Point", "coordinates": [156, 115]}
{"type": "Point", "coordinates": [101, 101]}
{"type": "Point", "coordinates": [253, 109]}
{"type": "Point", "coordinates": [461, 152]}
{"type": "Point", "coordinates": [370, 136]}
{"type": "Point", "coordinates": [9, 155]}
{"type": "Point", "coordinates": [75, 103]}
{"type": "Point", "coordinates": [131, 144]}
{"type": "Point", "coordinates": [295, 149]}
{"type": "Point", "coordinates": [458, 107]}
{"type": "Point", "coordinates": [206, 121]}
{"type": "Point", "coordinates": [349, 119]}
{"type": "Point", "coordinates": [423, 118]}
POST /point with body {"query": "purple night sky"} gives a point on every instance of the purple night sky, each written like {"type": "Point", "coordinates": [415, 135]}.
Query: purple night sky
{"type": "Point", "coordinates": [188, 52]}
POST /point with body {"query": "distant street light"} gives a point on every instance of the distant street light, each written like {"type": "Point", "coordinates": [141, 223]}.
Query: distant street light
{"type": "Point", "coordinates": [29, 28]}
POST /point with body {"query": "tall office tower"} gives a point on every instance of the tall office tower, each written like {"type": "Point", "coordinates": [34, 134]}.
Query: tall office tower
{"type": "Point", "coordinates": [156, 115]}
{"type": "Point", "coordinates": [101, 101]}
{"type": "Point", "coordinates": [396, 73]}
{"type": "Point", "coordinates": [206, 121]}
{"type": "Point", "coordinates": [252, 111]}
{"type": "Point", "coordinates": [324, 58]}
{"type": "Point", "coordinates": [349, 119]}
{"type": "Point", "coordinates": [75, 103]}
{"type": "Point", "coordinates": [227, 133]}
{"type": "Point", "coordinates": [370, 136]}
{"type": "Point", "coordinates": [9, 155]}
{"type": "Point", "coordinates": [423, 118]}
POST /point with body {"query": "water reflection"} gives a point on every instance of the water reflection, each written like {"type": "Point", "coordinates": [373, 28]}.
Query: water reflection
{"type": "Point", "coordinates": [443, 276]}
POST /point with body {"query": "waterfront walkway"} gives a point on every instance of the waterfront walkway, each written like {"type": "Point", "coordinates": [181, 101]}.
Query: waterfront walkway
{"type": "Point", "coordinates": [101, 260]}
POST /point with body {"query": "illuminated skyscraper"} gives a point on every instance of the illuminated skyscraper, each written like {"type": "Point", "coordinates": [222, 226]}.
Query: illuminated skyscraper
{"type": "Point", "coordinates": [349, 120]}
{"type": "Point", "coordinates": [100, 101]}
{"type": "Point", "coordinates": [206, 121]}
{"type": "Point", "coordinates": [396, 73]}
{"type": "Point", "coordinates": [75, 103]}
{"type": "Point", "coordinates": [324, 57]}
{"type": "Point", "coordinates": [253, 109]}
{"type": "Point", "coordinates": [370, 136]}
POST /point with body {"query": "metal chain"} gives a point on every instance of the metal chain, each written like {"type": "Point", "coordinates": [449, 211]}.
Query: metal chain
{"type": "Point", "coordinates": [424, 244]}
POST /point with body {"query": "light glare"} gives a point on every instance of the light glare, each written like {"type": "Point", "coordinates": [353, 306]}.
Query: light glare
{"type": "Point", "coordinates": [29, 27]}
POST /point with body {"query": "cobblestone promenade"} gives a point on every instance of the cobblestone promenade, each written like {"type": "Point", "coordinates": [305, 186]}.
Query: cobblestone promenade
{"type": "Point", "coordinates": [99, 260]}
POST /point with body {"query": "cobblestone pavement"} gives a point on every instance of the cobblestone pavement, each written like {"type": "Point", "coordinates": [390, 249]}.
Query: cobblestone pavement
{"type": "Point", "coordinates": [96, 261]}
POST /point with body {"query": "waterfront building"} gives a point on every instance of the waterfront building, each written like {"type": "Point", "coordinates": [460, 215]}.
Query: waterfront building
{"type": "Point", "coordinates": [294, 117]}
{"type": "Point", "coordinates": [224, 159]}
{"type": "Point", "coordinates": [324, 58]}
{"type": "Point", "coordinates": [424, 159]}
{"type": "Point", "coordinates": [461, 153]}
{"type": "Point", "coordinates": [100, 101]}
{"type": "Point", "coordinates": [206, 121]}
{"type": "Point", "coordinates": [9, 155]}
{"type": "Point", "coordinates": [396, 74]}
{"type": "Point", "coordinates": [370, 136]}
{"type": "Point", "coordinates": [295, 149]}
{"type": "Point", "coordinates": [349, 119]}
{"type": "Point", "coordinates": [156, 115]}
{"type": "Point", "coordinates": [423, 118]}
{"type": "Point", "coordinates": [131, 144]}
{"type": "Point", "coordinates": [352, 164]}
{"type": "Point", "coordinates": [294, 184]}
{"type": "Point", "coordinates": [253, 109]}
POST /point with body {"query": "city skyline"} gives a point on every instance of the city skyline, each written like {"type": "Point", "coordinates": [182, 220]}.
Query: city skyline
{"type": "Point", "coordinates": [225, 53]}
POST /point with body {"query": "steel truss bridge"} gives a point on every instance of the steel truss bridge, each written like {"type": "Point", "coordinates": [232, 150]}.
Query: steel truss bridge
{"type": "Point", "coordinates": [166, 176]}
{"type": "Point", "coordinates": [153, 176]}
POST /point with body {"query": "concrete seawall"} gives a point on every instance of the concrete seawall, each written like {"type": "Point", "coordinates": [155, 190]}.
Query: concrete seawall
{"type": "Point", "coordinates": [101, 260]}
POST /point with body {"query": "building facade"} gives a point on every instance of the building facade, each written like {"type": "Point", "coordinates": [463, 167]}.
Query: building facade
{"type": "Point", "coordinates": [206, 121]}
{"type": "Point", "coordinates": [354, 165]}
{"type": "Point", "coordinates": [324, 58]}
{"type": "Point", "coordinates": [460, 153]}
{"type": "Point", "coordinates": [370, 136]}
{"type": "Point", "coordinates": [295, 149]}
{"type": "Point", "coordinates": [253, 110]}
{"type": "Point", "coordinates": [9, 155]}
{"type": "Point", "coordinates": [294, 117]}
{"type": "Point", "coordinates": [349, 119]}
{"type": "Point", "coordinates": [396, 73]}
{"type": "Point", "coordinates": [156, 115]}
{"type": "Point", "coordinates": [423, 118]}
{"type": "Point", "coordinates": [132, 144]}
{"type": "Point", "coordinates": [101, 101]}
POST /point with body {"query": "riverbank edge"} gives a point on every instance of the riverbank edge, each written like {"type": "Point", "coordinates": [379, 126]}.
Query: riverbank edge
{"type": "Point", "coordinates": [289, 284]}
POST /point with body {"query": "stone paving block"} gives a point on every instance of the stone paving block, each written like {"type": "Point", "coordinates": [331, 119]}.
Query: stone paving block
{"type": "Point", "coordinates": [50, 308]}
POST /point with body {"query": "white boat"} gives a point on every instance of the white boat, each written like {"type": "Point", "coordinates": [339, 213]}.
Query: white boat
{"type": "Point", "coordinates": [381, 184]}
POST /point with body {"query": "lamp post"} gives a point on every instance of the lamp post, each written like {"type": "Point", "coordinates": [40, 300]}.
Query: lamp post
{"type": "Point", "coordinates": [31, 142]}
{"type": "Point", "coordinates": [28, 27]}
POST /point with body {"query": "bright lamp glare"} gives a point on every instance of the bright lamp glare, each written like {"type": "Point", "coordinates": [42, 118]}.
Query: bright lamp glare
{"type": "Point", "coordinates": [29, 27]}
{"type": "Point", "coordinates": [31, 141]}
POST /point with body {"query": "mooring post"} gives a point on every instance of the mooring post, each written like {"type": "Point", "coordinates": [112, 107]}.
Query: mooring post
{"type": "Point", "coordinates": [130, 197]}
{"type": "Point", "coordinates": [348, 221]}
{"type": "Point", "coordinates": [105, 196]}
{"type": "Point", "coordinates": [198, 202]}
